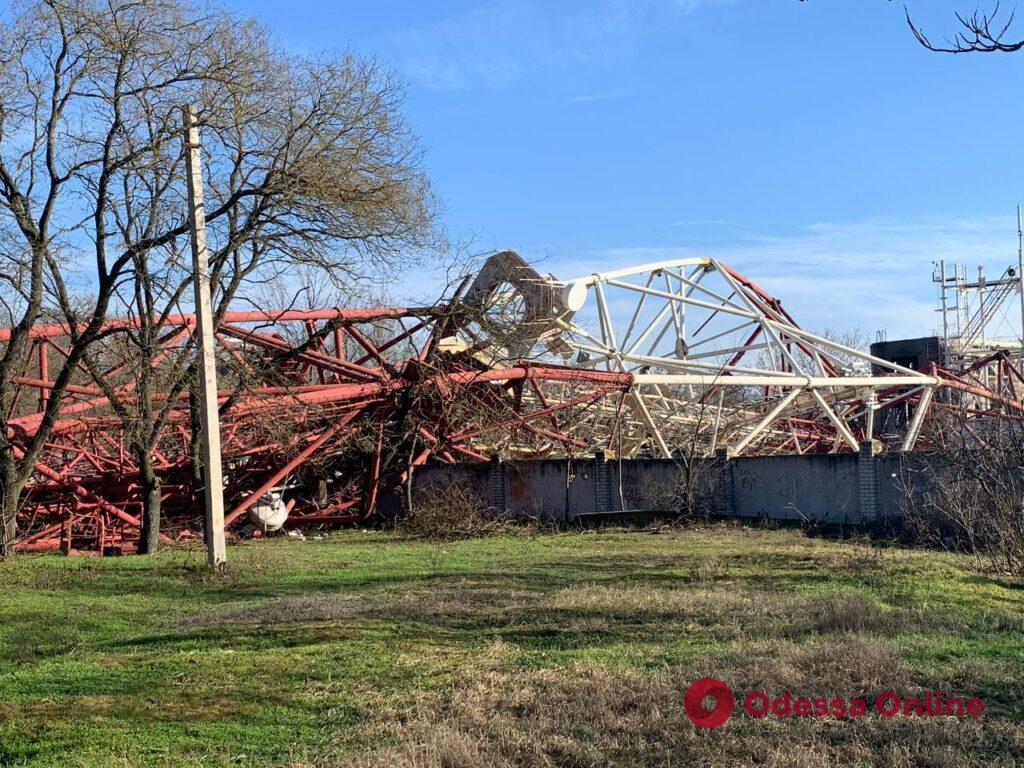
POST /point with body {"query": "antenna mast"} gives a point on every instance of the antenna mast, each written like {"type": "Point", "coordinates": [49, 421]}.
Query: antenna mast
{"type": "Point", "coordinates": [1020, 275]}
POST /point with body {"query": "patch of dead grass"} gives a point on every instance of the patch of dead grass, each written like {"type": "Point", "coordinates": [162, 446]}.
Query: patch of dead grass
{"type": "Point", "coordinates": [585, 716]}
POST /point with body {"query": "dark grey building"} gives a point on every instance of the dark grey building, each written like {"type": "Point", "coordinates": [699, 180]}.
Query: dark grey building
{"type": "Point", "coordinates": [917, 354]}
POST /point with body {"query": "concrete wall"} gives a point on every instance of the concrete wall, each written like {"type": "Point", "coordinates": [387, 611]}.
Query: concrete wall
{"type": "Point", "coordinates": [850, 489]}
{"type": "Point", "coordinates": [811, 487]}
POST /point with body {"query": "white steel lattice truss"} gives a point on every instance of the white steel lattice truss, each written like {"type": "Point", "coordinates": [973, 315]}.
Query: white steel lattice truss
{"type": "Point", "coordinates": [715, 360]}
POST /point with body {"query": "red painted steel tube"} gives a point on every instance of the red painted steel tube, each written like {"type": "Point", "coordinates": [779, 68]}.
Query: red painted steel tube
{"type": "Point", "coordinates": [281, 473]}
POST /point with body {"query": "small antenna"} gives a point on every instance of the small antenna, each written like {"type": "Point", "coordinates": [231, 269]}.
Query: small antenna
{"type": "Point", "coordinates": [1020, 274]}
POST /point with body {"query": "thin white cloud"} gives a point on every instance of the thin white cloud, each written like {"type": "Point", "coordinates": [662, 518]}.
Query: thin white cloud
{"type": "Point", "coordinates": [497, 41]}
{"type": "Point", "coordinates": [868, 276]}
{"type": "Point", "coordinates": [589, 98]}
{"type": "Point", "coordinates": [871, 275]}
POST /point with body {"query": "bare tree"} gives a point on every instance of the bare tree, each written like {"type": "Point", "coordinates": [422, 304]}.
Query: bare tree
{"type": "Point", "coordinates": [690, 492]}
{"type": "Point", "coordinates": [307, 162]}
{"type": "Point", "coordinates": [965, 492]}
{"type": "Point", "coordinates": [979, 32]}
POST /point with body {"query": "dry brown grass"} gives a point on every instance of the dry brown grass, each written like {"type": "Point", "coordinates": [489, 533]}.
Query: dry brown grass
{"type": "Point", "coordinates": [588, 716]}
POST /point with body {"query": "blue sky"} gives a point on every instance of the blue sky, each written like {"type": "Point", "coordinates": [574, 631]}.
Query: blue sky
{"type": "Point", "coordinates": [814, 146]}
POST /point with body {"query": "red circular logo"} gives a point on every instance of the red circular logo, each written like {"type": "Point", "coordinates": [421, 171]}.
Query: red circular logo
{"type": "Point", "coordinates": [693, 703]}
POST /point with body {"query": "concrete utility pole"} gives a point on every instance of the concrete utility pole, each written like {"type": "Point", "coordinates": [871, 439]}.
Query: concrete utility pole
{"type": "Point", "coordinates": [207, 369]}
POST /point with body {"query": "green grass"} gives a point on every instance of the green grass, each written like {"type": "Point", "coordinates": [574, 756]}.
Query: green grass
{"type": "Point", "coordinates": [317, 652]}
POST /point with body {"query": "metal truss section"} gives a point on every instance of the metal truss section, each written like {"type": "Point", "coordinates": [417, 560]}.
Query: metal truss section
{"type": "Point", "coordinates": [718, 363]}
{"type": "Point", "coordinates": [324, 411]}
